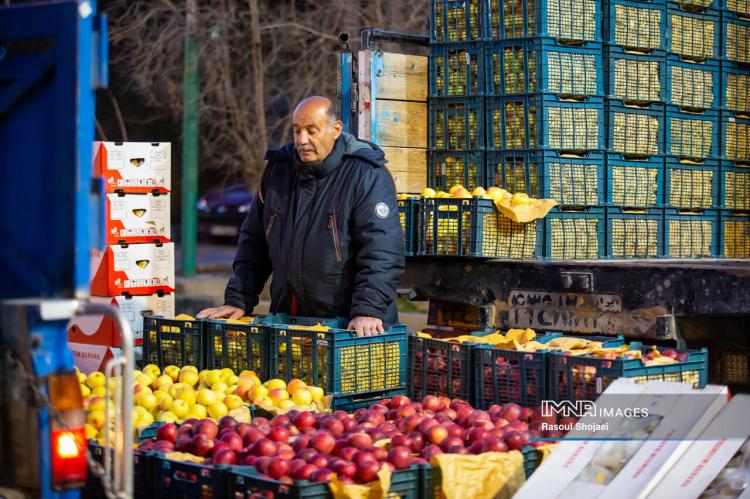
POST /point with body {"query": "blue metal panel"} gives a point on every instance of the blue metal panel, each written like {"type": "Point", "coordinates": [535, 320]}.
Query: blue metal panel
{"type": "Point", "coordinates": [346, 90]}
{"type": "Point", "coordinates": [47, 77]}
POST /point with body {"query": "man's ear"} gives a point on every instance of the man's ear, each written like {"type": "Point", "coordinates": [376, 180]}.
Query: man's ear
{"type": "Point", "coordinates": [338, 127]}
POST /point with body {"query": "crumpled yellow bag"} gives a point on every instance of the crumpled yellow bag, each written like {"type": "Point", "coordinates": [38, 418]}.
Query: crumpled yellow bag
{"type": "Point", "coordinates": [524, 213]}
{"type": "Point", "coordinates": [544, 451]}
{"type": "Point", "coordinates": [373, 490]}
{"type": "Point", "coordinates": [322, 405]}
{"type": "Point", "coordinates": [492, 475]}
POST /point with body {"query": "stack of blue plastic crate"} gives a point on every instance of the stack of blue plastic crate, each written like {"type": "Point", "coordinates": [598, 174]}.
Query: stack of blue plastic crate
{"type": "Point", "coordinates": [456, 106]}
{"type": "Point", "coordinates": [734, 168]}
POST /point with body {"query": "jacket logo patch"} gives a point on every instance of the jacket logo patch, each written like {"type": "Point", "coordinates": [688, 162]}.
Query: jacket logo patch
{"type": "Point", "coordinates": [381, 210]}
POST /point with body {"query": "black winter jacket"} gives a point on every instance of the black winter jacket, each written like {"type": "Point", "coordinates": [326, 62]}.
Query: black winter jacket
{"type": "Point", "coordinates": [329, 233]}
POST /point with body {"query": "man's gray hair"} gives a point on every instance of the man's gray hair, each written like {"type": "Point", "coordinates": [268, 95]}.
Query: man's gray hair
{"type": "Point", "coordinates": [333, 112]}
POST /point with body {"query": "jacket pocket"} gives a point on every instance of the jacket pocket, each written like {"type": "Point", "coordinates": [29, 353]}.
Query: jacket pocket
{"type": "Point", "coordinates": [271, 221]}
{"type": "Point", "coordinates": [335, 236]}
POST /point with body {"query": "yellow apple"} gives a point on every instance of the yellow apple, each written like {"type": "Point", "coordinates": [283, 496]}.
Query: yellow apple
{"type": "Point", "coordinates": [212, 378]}
{"type": "Point", "coordinates": [220, 387]}
{"type": "Point", "coordinates": [316, 392]}
{"type": "Point", "coordinates": [286, 404]}
{"type": "Point", "coordinates": [197, 411]}
{"type": "Point", "coordinates": [179, 408]}
{"type": "Point", "coordinates": [206, 397]}
{"type": "Point", "coordinates": [95, 379]}
{"type": "Point", "coordinates": [175, 389]}
{"type": "Point", "coordinates": [96, 419]}
{"type": "Point", "coordinates": [146, 400]}
{"type": "Point", "coordinates": [275, 383]}
{"type": "Point", "coordinates": [302, 396]}
{"type": "Point", "coordinates": [217, 410]}
{"type": "Point", "coordinates": [166, 417]}
{"type": "Point", "coordinates": [189, 378]}
{"type": "Point", "coordinates": [85, 390]}
{"type": "Point", "coordinates": [172, 371]}
{"type": "Point", "coordinates": [188, 395]}
{"type": "Point", "coordinates": [233, 402]}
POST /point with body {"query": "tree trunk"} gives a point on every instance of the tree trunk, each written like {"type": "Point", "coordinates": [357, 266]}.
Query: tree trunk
{"type": "Point", "coordinates": [256, 59]}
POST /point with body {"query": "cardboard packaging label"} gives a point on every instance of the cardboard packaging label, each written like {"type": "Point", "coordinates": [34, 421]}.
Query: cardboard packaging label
{"type": "Point", "coordinates": [137, 269]}
{"type": "Point", "coordinates": [137, 218]}
{"type": "Point", "coordinates": [90, 358]}
{"type": "Point", "coordinates": [134, 166]}
{"type": "Point", "coordinates": [100, 330]}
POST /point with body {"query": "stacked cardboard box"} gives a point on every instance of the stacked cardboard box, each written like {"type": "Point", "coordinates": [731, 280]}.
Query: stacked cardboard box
{"type": "Point", "coordinates": [135, 268]}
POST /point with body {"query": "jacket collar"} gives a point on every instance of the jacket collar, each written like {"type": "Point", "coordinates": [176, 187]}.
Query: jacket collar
{"type": "Point", "coordinates": [310, 171]}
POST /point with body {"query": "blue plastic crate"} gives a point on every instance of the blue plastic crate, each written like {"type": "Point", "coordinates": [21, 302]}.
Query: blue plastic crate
{"type": "Point", "coordinates": [541, 65]}
{"type": "Point", "coordinates": [691, 185]}
{"type": "Point", "coordinates": [238, 347]}
{"type": "Point", "coordinates": [541, 121]}
{"type": "Point", "coordinates": [634, 78]}
{"type": "Point", "coordinates": [187, 480]}
{"type": "Point", "coordinates": [343, 364]}
{"type": "Point", "coordinates": [474, 227]}
{"type": "Point", "coordinates": [568, 179]}
{"type": "Point", "coordinates": [634, 132]}
{"type": "Point", "coordinates": [735, 9]}
{"type": "Point", "coordinates": [634, 234]}
{"type": "Point", "coordinates": [456, 70]}
{"type": "Point", "coordinates": [636, 25]}
{"type": "Point", "coordinates": [573, 21]}
{"type": "Point", "coordinates": [455, 20]}
{"type": "Point", "coordinates": [448, 168]}
{"type": "Point", "coordinates": [408, 212]}
{"type": "Point", "coordinates": [441, 368]}
{"type": "Point", "coordinates": [574, 235]}
{"type": "Point", "coordinates": [456, 123]}
{"type": "Point", "coordinates": [634, 183]}
{"type": "Point", "coordinates": [692, 136]}
{"type": "Point", "coordinates": [693, 86]}
{"type": "Point", "coordinates": [585, 377]}
{"type": "Point", "coordinates": [698, 5]}
{"type": "Point", "coordinates": [735, 234]}
{"type": "Point", "coordinates": [735, 89]}
{"type": "Point", "coordinates": [174, 342]}
{"type": "Point", "coordinates": [735, 40]}
{"type": "Point", "coordinates": [735, 138]}
{"type": "Point", "coordinates": [735, 187]}
{"type": "Point", "coordinates": [693, 36]}
{"type": "Point", "coordinates": [690, 234]}
{"type": "Point", "coordinates": [244, 482]}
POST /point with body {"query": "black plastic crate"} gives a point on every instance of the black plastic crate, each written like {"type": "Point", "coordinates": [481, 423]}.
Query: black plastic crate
{"type": "Point", "coordinates": [237, 346]}
{"type": "Point", "coordinates": [143, 474]}
{"type": "Point", "coordinates": [735, 234]}
{"type": "Point", "coordinates": [448, 168]}
{"type": "Point", "coordinates": [634, 132]}
{"type": "Point", "coordinates": [694, 36]}
{"type": "Point", "coordinates": [635, 234]}
{"type": "Point", "coordinates": [689, 234]}
{"type": "Point", "coordinates": [635, 183]}
{"type": "Point", "coordinates": [569, 179]}
{"type": "Point", "coordinates": [174, 342]}
{"type": "Point", "coordinates": [343, 364]}
{"type": "Point", "coordinates": [243, 483]}
{"type": "Point", "coordinates": [474, 227]}
{"type": "Point", "coordinates": [542, 121]}
{"type": "Point", "coordinates": [636, 25]}
{"type": "Point", "coordinates": [541, 65]}
{"type": "Point", "coordinates": [572, 21]}
{"type": "Point", "coordinates": [690, 185]}
{"type": "Point", "coordinates": [441, 368]}
{"type": "Point", "coordinates": [187, 480]}
{"type": "Point", "coordinates": [456, 70]}
{"type": "Point", "coordinates": [455, 21]}
{"type": "Point", "coordinates": [408, 212]}
{"type": "Point", "coordinates": [585, 377]}
{"type": "Point", "coordinates": [456, 123]}
{"type": "Point", "coordinates": [635, 78]}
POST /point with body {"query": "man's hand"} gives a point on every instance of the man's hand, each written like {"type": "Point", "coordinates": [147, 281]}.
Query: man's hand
{"type": "Point", "coordinates": [223, 312]}
{"type": "Point", "coordinates": [366, 326]}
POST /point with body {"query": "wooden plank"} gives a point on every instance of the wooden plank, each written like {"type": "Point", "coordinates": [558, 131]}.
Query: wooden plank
{"type": "Point", "coordinates": [399, 124]}
{"type": "Point", "coordinates": [408, 167]}
{"type": "Point", "coordinates": [400, 76]}
{"type": "Point", "coordinates": [363, 96]}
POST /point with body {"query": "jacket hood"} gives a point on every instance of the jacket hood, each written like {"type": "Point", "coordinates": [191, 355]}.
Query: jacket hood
{"type": "Point", "coordinates": [353, 147]}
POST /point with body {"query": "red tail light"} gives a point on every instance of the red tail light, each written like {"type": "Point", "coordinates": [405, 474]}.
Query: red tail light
{"type": "Point", "coordinates": [68, 440]}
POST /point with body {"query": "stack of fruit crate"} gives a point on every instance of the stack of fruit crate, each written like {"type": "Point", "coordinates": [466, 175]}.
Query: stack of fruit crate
{"type": "Point", "coordinates": [545, 114]}
{"type": "Point", "coordinates": [734, 130]}
{"type": "Point", "coordinates": [456, 106]}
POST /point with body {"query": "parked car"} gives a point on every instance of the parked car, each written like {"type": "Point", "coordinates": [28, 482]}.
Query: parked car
{"type": "Point", "coordinates": [222, 210]}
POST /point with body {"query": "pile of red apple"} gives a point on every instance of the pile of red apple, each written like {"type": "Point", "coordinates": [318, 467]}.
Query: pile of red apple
{"type": "Point", "coordinates": [317, 446]}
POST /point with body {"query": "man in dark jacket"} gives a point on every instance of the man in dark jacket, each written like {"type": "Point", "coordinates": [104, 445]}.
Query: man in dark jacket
{"type": "Point", "coordinates": [325, 224]}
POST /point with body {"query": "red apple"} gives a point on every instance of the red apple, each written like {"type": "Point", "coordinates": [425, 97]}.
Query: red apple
{"type": "Point", "coordinates": [432, 403]}
{"type": "Point", "coordinates": [250, 460]}
{"type": "Point", "coordinates": [334, 426]}
{"type": "Point", "coordinates": [475, 448]}
{"type": "Point", "coordinates": [400, 457]}
{"type": "Point", "coordinates": [242, 429]}
{"type": "Point", "coordinates": [227, 422]}
{"type": "Point", "coordinates": [450, 442]}
{"type": "Point", "coordinates": [345, 469]}
{"type": "Point", "coordinates": [450, 413]}
{"type": "Point", "coordinates": [322, 476]}
{"type": "Point", "coordinates": [280, 420]}
{"type": "Point", "coordinates": [347, 453]}
{"type": "Point", "coordinates": [301, 442]}
{"type": "Point", "coordinates": [189, 422]}
{"type": "Point", "coordinates": [304, 420]}
{"type": "Point", "coordinates": [252, 435]}
{"type": "Point", "coordinates": [526, 413]}
{"type": "Point", "coordinates": [263, 463]}
{"type": "Point", "coordinates": [363, 456]}
{"type": "Point", "coordinates": [305, 472]}
{"type": "Point", "coordinates": [323, 442]}
{"type": "Point", "coordinates": [360, 440]}
{"type": "Point", "coordinates": [494, 444]}
{"type": "Point", "coordinates": [264, 447]}
{"type": "Point", "coordinates": [398, 401]}
{"type": "Point", "coordinates": [168, 432]}
{"type": "Point", "coordinates": [233, 441]}
{"type": "Point", "coordinates": [431, 450]}
{"type": "Point", "coordinates": [511, 411]}
{"type": "Point", "coordinates": [426, 424]}
{"type": "Point", "coordinates": [458, 449]}
{"type": "Point", "coordinates": [202, 444]}
{"type": "Point", "coordinates": [436, 434]}
{"type": "Point", "coordinates": [475, 434]}
{"type": "Point", "coordinates": [278, 468]}
{"type": "Point", "coordinates": [415, 441]}
{"type": "Point", "coordinates": [183, 443]}
{"type": "Point", "coordinates": [224, 456]}
{"type": "Point", "coordinates": [514, 440]}
{"type": "Point", "coordinates": [367, 472]}
{"type": "Point", "coordinates": [455, 430]}
{"type": "Point", "coordinates": [349, 424]}
{"type": "Point", "coordinates": [379, 453]}
{"type": "Point", "coordinates": [279, 434]}
{"type": "Point", "coordinates": [405, 411]}
{"type": "Point", "coordinates": [501, 422]}
{"type": "Point", "coordinates": [411, 423]}
{"type": "Point", "coordinates": [320, 461]}
{"type": "Point", "coordinates": [206, 427]}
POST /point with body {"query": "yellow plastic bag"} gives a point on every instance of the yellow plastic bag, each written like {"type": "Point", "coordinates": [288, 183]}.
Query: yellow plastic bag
{"type": "Point", "coordinates": [544, 451]}
{"type": "Point", "coordinates": [492, 475]}
{"type": "Point", "coordinates": [373, 490]}
{"type": "Point", "coordinates": [524, 213]}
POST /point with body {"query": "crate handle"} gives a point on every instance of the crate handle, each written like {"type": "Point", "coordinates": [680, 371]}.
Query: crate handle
{"type": "Point", "coordinates": [693, 59]}
{"type": "Point", "coordinates": [636, 104]}
{"type": "Point", "coordinates": [692, 161]}
{"type": "Point", "coordinates": [572, 98]}
{"type": "Point", "coordinates": [572, 43]}
{"type": "Point", "coordinates": [690, 212]}
{"type": "Point", "coordinates": [184, 476]}
{"type": "Point", "coordinates": [637, 51]}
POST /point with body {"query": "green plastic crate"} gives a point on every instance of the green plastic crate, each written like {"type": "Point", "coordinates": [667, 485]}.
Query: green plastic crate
{"type": "Point", "coordinates": [174, 342]}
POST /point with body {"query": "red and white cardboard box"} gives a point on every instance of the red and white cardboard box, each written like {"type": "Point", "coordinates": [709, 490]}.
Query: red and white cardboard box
{"type": "Point", "coordinates": [136, 269]}
{"type": "Point", "coordinates": [90, 358]}
{"type": "Point", "coordinates": [137, 218]}
{"type": "Point", "coordinates": [100, 330]}
{"type": "Point", "coordinates": [702, 462]}
{"type": "Point", "coordinates": [134, 166]}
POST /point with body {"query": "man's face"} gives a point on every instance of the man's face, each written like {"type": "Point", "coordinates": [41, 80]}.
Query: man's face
{"type": "Point", "coordinates": [314, 136]}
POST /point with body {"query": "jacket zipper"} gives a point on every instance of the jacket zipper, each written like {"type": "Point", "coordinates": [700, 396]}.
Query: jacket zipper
{"type": "Point", "coordinates": [271, 220]}
{"type": "Point", "coordinates": [335, 232]}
